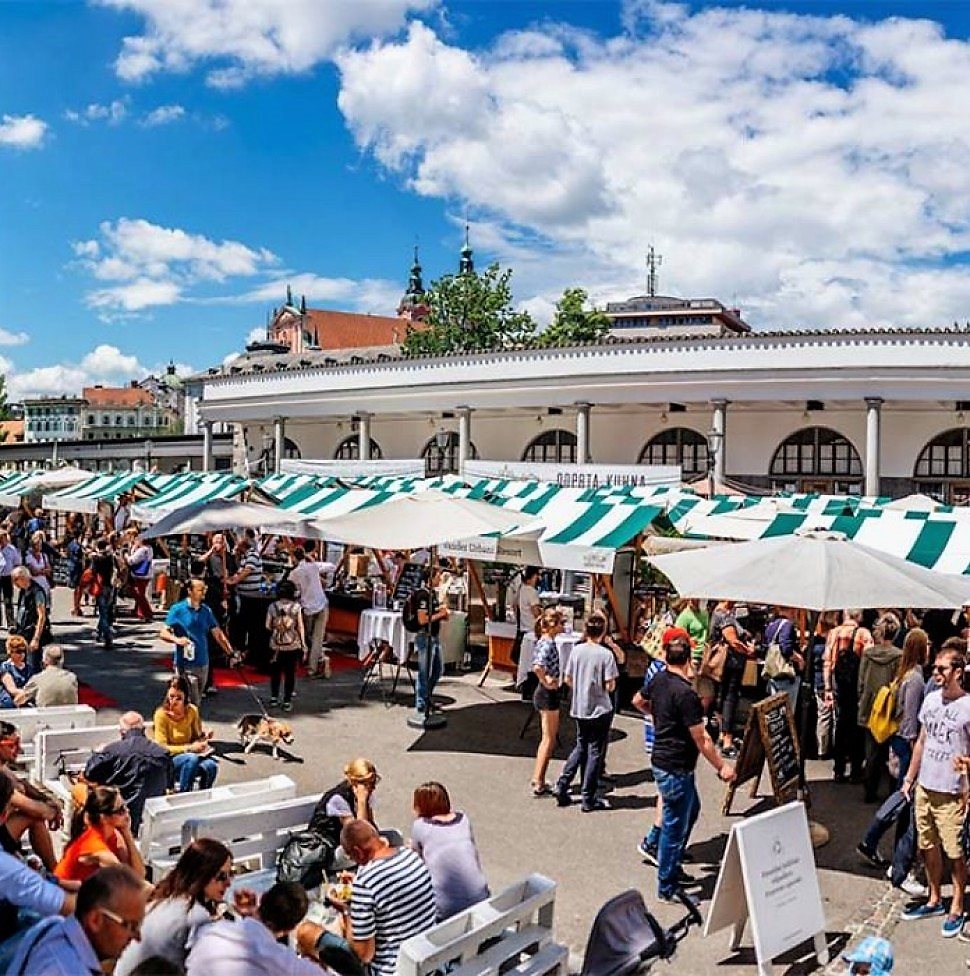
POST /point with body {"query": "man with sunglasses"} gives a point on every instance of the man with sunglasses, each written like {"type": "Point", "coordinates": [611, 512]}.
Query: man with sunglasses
{"type": "Point", "coordinates": [941, 789]}
{"type": "Point", "coordinates": [110, 910]}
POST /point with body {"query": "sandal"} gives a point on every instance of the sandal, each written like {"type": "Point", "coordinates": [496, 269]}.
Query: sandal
{"type": "Point", "coordinates": [542, 789]}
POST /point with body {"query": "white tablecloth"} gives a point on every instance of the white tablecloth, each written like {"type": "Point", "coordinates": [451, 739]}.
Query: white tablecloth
{"type": "Point", "coordinates": [385, 625]}
{"type": "Point", "coordinates": [564, 644]}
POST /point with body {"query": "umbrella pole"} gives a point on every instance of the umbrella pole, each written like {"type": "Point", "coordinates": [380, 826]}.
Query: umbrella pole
{"type": "Point", "coordinates": [818, 831]}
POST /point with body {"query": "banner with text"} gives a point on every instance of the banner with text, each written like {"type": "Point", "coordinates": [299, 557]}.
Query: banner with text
{"type": "Point", "coordinates": [576, 475]}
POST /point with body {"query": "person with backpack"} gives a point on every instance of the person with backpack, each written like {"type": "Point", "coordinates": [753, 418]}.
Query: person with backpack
{"type": "Point", "coordinates": [843, 653]}
{"type": "Point", "coordinates": [422, 617]}
{"type": "Point", "coordinates": [877, 669]}
{"type": "Point", "coordinates": [287, 642]}
{"type": "Point", "coordinates": [784, 661]}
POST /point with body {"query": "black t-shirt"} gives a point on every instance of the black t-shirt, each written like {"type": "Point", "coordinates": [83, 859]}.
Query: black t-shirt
{"type": "Point", "coordinates": [675, 707]}
{"type": "Point", "coordinates": [103, 566]}
{"type": "Point", "coordinates": [425, 601]}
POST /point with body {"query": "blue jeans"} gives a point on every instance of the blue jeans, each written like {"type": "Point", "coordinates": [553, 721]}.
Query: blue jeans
{"type": "Point", "coordinates": [786, 686]}
{"type": "Point", "coordinates": [429, 668]}
{"type": "Point", "coordinates": [896, 810]}
{"type": "Point", "coordinates": [105, 602]}
{"type": "Point", "coordinates": [588, 755]}
{"type": "Point", "coordinates": [190, 766]}
{"type": "Point", "coordinates": [682, 804]}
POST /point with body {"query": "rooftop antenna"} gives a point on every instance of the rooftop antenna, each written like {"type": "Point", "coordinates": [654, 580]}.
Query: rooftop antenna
{"type": "Point", "coordinates": [654, 260]}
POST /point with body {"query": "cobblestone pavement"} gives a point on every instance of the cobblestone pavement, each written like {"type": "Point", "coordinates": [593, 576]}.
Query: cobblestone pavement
{"type": "Point", "coordinates": [487, 767]}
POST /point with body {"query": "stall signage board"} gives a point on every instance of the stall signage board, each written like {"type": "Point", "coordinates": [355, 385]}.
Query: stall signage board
{"type": "Point", "coordinates": [411, 579]}
{"type": "Point", "coordinates": [768, 877]}
{"type": "Point", "coordinates": [576, 475]}
{"type": "Point", "coordinates": [769, 738]}
{"type": "Point", "coordinates": [354, 469]}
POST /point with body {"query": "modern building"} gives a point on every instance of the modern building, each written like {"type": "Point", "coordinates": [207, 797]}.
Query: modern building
{"type": "Point", "coordinates": [55, 418]}
{"type": "Point", "coordinates": [646, 315]}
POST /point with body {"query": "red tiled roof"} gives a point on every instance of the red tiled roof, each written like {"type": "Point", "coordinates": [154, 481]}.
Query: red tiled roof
{"type": "Point", "coordinates": [347, 330]}
{"type": "Point", "coordinates": [116, 396]}
{"type": "Point", "coordinates": [11, 431]}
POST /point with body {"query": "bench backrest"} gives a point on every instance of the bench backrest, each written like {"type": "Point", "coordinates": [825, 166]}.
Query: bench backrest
{"type": "Point", "coordinates": [457, 943]}
{"type": "Point", "coordinates": [161, 827]}
{"type": "Point", "coordinates": [68, 750]}
{"type": "Point", "coordinates": [255, 834]}
{"type": "Point", "coordinates": [30, 721]}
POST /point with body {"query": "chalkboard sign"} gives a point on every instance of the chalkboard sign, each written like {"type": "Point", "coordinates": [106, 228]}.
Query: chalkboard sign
{"type": "Point", "coordinates": [411, 579]}
{"type": "Point", "coordinates": [61, 576]}
{"type": "Point", "coordinates": [769, 737]}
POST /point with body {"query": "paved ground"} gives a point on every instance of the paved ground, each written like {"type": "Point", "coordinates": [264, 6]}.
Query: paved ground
{"type": "Point", "coordinates": [486, 767]}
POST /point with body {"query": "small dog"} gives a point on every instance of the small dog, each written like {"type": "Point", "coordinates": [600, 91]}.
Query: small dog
{"type": "Point", "coordinates": [254, 729]}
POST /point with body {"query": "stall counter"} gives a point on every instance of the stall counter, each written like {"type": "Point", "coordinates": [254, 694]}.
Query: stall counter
{"type": "Point", "coordinates": [501, 636]}
{"type": "Point", "coordinates": [345, 611]}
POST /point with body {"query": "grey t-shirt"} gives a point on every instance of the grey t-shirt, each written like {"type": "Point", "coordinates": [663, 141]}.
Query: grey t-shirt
{"type": "Point", "coordinates": [449, 850]}
{"type": "Point", "coordinates": [169, 930]}
{"type": "Point", "coordinates": [947, 726]}
{"type": "Point", "coordinates": [589, 667]}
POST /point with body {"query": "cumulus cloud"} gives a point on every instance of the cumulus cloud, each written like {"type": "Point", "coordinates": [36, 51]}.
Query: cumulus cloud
{"type": "Point", "coordinates": [105, 364]}
{"type": "Point", "coordinates": [375, 295]}
{"type": "Point", "coordinates": [147, 265]}
{"type": "Point", "coordinates": [113, 113]}
{"type": "Point", "coordinates": [812, 167]}
{"type": "Point", "coordinates": [163, 115]}
{"type": "Point", "coordinates": [22, 131]}
{"type": "Point", "coordinates": [241, 39]}
{"type": "Point", "coordinates": [8, 338]}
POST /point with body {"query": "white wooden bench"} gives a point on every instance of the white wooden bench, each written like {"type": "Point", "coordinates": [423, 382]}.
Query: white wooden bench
{"type": "Point", "coordinates": [58, 753]}
{"type": "Point", "coordinates": [511, 932]}
{"type": "Point", "coordinates": [162, 834]}
{"type": "Point", "coordinates": [31, 721]}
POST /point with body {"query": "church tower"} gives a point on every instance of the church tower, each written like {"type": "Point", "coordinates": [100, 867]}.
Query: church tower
{"type": "Point", "coordinates": [412, 306]}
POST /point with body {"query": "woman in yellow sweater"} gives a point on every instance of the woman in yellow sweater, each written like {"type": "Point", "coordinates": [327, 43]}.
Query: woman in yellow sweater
{"type": "Point", "coordinates": [179, 728]}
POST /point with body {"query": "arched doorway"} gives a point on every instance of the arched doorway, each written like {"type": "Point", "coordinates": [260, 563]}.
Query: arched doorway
{"type": "Point", "coordinates": [443, 459]}
{"type": "Point", "coordinates": [552, 446]}
{"type": "Point", "coordinates": [349, 450]}
{"type": "Point", "coordinates": [680, 446]}
{"type": "Point", "coordinates": [943, 467]}
{"type": "Point", "coordinates": [817, 459]}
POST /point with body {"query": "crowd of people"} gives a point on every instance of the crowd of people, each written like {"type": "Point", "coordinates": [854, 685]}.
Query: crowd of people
{"type": "Point", "coordinates": [97, 911]}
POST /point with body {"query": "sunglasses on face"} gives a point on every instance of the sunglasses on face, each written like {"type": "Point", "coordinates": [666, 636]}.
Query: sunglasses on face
{"type": "Point", "coordinates": [132, 928]}
{"type": "Point", "coordinates": [224, 877]}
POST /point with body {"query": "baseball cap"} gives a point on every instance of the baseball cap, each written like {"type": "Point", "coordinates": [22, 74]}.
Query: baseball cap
{"type": "Point", "coordinates": [672, 634]}
{"type": "Point", "coordinates": [876, 951]}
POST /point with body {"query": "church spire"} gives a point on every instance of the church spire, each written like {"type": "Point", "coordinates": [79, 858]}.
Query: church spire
{"type": "Point", "coordinates": [466, 265]}
{"type": "Point", "coordinates": [289, 296]}
{"type": "Point", "coordinates": [415, 284]}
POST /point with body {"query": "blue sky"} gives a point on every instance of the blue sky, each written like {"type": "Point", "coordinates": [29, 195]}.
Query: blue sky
{"type": "Point", "coordinates": [165, 172]}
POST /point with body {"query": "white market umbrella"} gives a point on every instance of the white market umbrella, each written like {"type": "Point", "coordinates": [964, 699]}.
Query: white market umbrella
{"type": "Point", "coordinates": [426, 518]}
{"type": "Point", "coordinates": [814, 571]}
{"type": "Point", "coordinates": [915, 503]}
{"type": "Point", "coordinates": [56, 478]}
{"type": "Point", "coordinates": [221, 514]}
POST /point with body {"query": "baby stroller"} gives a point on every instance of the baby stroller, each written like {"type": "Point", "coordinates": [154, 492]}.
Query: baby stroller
{"type": "Point", "coordinates": [626, 938]}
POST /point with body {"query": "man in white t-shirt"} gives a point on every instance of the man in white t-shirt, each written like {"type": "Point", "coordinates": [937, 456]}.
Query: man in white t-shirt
{"type": "Point", "coordinates": [941, 789]}
{"type": "Point", "coordinates": [309, 576]}
{"type": "Point", "coordinates": [529, 607]}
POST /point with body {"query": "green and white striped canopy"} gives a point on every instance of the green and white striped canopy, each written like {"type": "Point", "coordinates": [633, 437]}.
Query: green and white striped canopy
{"type": "Point", "coordinates": [10, 487]}
{"type": "Point", "coordinates": [84, 497]}
{"type": "Point", "coordinates": [188, 489]}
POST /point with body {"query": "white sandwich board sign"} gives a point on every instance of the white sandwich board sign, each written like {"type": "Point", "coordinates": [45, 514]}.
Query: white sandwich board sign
{"type": "Point", "coordinates": [768, 878]}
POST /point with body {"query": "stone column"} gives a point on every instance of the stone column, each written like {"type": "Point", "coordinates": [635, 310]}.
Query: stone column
{"type": "Point", "coordinates": [363, 436]}
{"type": "Point", "coordinates": [279, 440]}
{"type": "Point", "coordinates": [207, 460]}
{"type": "Point", "coordinates": [719, 423]}
{"type": "Point", "coordinates": [464, 436]}
{"type": "Point", "coordinates": [873, 427]}
{"type": "Point", "coordinates": [582, 433]}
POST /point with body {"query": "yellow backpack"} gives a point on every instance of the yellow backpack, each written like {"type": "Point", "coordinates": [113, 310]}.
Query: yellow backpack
{"type": "Point", "coordinates": [882, 719]}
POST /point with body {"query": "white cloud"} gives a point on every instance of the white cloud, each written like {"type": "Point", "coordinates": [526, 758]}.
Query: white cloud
{"type": "Point", "coordinates": [149, 265]}
{"type": "Point", "coordinates": [8, 338]}
{"type": "Point", "coordinates": [812, 167]}
{"type": "Point", "coordinates": [163, 115]}
{"type": "Point", "coordinates": [22, 131]}
{"type": "Point", "coordinates": [375, 295]}
{"type": "Point", "coordinates": [240, 39]}
{"type": "Point", "coordinates": [113, 113]}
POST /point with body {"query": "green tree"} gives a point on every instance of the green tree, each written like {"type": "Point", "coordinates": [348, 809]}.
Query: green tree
{"type": "Point", "coordinates": [574, 323]}
{"type": "Point", "coordinates": [4, 407]}
{"type": "Point", "coordinates": [470, 312]}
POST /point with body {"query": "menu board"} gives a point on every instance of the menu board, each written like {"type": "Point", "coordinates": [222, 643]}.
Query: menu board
{"type": "Point", "coordinates": [411, 579]}
{"type": "Point", "coordinates": [769, 737]}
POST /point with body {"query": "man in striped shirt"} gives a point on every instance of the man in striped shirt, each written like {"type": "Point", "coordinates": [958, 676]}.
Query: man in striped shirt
{"type": "Point", "coordinates": [248, 580]}
{"type": "Point", "coordinates": [391, 901]}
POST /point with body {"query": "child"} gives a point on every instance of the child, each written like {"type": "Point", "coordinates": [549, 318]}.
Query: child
{"type": "Point", "coordinates": [872, 956]}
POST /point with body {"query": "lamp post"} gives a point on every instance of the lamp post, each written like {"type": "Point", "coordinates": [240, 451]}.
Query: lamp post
{"type": "Point", "coordinates": [441, 442]}
{"type": "Point", "coordinates": [715, 439]}
{"type": "Point", "coordinates": [148, 455]}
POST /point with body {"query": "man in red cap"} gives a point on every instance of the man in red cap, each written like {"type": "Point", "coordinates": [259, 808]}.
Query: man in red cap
{"type": "Point", "coordinates": [680, 737]}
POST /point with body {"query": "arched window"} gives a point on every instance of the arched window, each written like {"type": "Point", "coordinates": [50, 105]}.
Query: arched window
{"type": "Point", "coordinates": [816, 459]}
{"type": "Point", "coordinates": [678, 446]}
{"type": "Point", "coordinates": [349, 450]}
{"type": "Point", "coordinates": [943, 467]}
{"type": "Point", "coordinates": [444, 460]}
{"type": "Point", "coordinates": [555, 446]}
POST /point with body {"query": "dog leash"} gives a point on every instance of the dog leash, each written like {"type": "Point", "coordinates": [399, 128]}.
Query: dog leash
{"type": "Point", "coordinates": [249, 688]}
